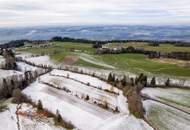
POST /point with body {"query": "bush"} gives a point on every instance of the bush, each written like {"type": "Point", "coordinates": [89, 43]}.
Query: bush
{"type": "Point", "coordinates": [87, 97]}
{"type": "Point", "coordinates": [3, 107]}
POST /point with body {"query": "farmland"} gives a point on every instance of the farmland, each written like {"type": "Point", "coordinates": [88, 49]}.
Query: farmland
{"type": "Point", "coordinates": [136, 63]}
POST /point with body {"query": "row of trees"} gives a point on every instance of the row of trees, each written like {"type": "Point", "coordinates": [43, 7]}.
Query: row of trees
{"type": "Point", "coordinates": [17, 81]}
{"type": "Point", "coordinates": [132, 90]}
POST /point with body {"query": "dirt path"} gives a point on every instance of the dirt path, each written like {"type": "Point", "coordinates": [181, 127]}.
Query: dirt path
{"type": "Point", "coordinates": [17, 115]}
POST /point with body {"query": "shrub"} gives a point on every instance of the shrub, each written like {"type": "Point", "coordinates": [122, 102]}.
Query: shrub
{"type": "Point", "coordinates": [3, 107]}
{"type": "Point", "coordinates": [87, 97]}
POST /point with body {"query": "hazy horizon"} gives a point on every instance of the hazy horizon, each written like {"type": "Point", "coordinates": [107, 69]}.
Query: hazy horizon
{"type": "Point", "coordinates": [22, 13]}
{"type": "Point", "coordinates": [101, 32]}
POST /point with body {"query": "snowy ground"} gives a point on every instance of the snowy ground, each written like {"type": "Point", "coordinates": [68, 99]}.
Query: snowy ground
{"type": "Point", "coordinates": [115, 100]}
{"type": "Point", "coordinates": [82, 90]}
{"type": "Point", "coordinates": [9, 120]}
{"type": "Point", "coordinates": [40, 60]}
{"type": "Point", "coordinates": [179, 98]}
{"type": "Point", "coordinates": [23, 67]}
{"type": "Point", "coordinates": [72, 109]}
{"type": "Point", "coordinates": [123, 122]}
{"type": "Point", "coordinates": [163, 117]}
{"type": "Point", "coordinates": [83, 115]}
{"type": "Point", "coordinates": [2, 62]}
{"type": "Point", "coordinates": [92, 60]}
{"type": "Point", "coordinates": [86, 79]}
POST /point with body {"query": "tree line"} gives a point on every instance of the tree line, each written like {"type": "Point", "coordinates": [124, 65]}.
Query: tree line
{"type": "Point", "coordinates": [19, 43]}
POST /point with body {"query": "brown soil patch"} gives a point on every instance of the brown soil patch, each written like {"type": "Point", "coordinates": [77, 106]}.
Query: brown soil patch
{"type": "Point", "coordinates": [70, 60]}
{"type": "Point", "coordinates": [181, 63]}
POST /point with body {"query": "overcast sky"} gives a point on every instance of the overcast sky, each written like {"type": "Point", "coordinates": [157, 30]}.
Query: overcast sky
{"type": "Point", "coordinates": [86, 12]}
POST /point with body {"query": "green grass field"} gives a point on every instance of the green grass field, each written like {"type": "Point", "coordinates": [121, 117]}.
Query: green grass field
{"type": "Point", "coordinates": [137, 63]}
{"type": "Point", "coordinates": [161, 48]}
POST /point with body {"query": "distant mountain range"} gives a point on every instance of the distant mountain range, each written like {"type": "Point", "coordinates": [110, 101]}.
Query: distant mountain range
{"type": "Point", "coordinates": [174, 33]}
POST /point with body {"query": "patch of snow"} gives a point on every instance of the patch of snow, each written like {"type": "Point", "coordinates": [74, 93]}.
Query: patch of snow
{"type": "Point", "coordinates": [124, 122]}
{"type": "Point", "coordinates": [2, 62]}
{"type": "Point", "coordinates": [8, 119]}
{"type": "Point", "coordinates": [92, 60]}
{"type": "Point", "coordinates": [86, 79]}
{"type": "Point", "coordinates": [23, 67]}
{"type": "Point", "coordinates": [165, 117]}
{"type": "Point", "coordinates": [40, 60]}
{"type": "Point", "coordinates": [177, 97]}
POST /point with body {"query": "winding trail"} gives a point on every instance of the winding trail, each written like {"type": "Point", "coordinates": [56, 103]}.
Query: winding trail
{"type": "Point", "coordinates": [17, 116]}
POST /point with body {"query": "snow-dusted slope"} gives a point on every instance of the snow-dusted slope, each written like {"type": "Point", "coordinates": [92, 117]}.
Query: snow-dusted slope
{"type": "Point", "coordinates": [163, 117]}
{"type": "Point", "coordinates": [23, 67]}
{"type": "Point", "coordinates": [83, 115]}
{"type": "Point", "coordinates": [92, 60]}
{"type": "Point", "coordinates": [9, 120]}
{"type": "Point", "coordinates": [40, 60]}
{"type": "Point", "coordinates": [124, 122]}
{"type": "Point", "coordinates": [177, 97]}
{"type": "Point", "coordinates": [96, 83]}
{"type": "Point", "coordinates": [2, 62]}
{"type": "Point", "coordinates": [86, 79]}
{"type": "Point", "coordinates": [81, 90]}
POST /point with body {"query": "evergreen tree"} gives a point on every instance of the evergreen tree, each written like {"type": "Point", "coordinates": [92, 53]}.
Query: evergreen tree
{"type": "Point", "coordinates": [5, 88]}
{"type": "Point", "coordinates": [58, 119]}
{"type": "Point", "coordinates": [124, 80]}
{"type": "Point", "coordinates": [153, 82]}
{"type": "Point", "coordinates": [167, 84]}
{"type": "Point", "coordinates": [110, 77]}
{"type": "Point", "coordinates": [39, 106]}
{"type": "Point", "coordinates": [132, 81]}
{"type": "Point", "coordinates": [113, 78]}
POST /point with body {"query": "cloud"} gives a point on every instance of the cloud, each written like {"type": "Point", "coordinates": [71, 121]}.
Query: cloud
{"type": "Point", "coordinates": [45, 12]}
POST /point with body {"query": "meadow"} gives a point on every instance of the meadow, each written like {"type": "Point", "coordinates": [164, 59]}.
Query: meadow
{"type": "Point", "coordinates": [161, 48]}
{"type": "Point", "coordinates": [136, 63]}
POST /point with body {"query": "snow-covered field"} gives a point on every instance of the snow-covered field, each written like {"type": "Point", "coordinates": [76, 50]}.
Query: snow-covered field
{"type": "Point", "coordinates": [163, 117]}
{"type": "Point", "coordinates": [82, 90]}
{"type": "Point", "coordinates": [9, 120]}
{"type": "Point", "coordinates": [80, 113]}
{"type": "Point", "coordinates": [86, 79]}
{"type": "Point", "coordinates": [23, 67]}
{"type": "Point", "coordinates": [123, 122]}
{"type": "Point", "coordinates": [2, 62]}
{"type": "Point", "coordinates": [40, 60]}
{"type": "Point", "coordinates": [83, 115]}
{"type": "Point", "coordinates": [177, 97]}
